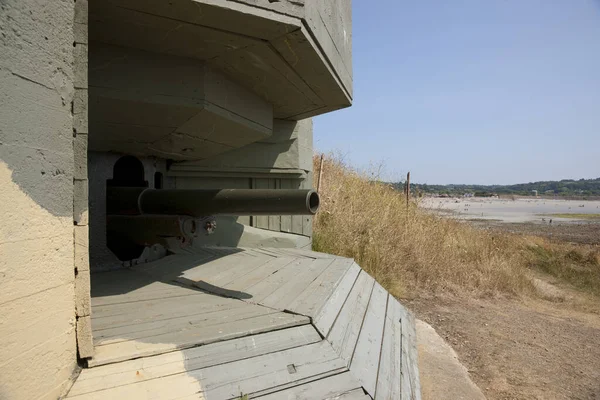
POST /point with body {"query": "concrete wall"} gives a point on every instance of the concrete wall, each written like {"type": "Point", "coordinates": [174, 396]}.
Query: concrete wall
{"type": "Point", "coordinates": [83, 307]}
{"type": "Point", "coordinates": [290, 147]}
{"type": "Point", "coordinates": [37, 311]}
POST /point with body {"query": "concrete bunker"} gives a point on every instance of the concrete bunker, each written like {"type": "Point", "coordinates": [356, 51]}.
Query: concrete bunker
{"type": "Point", "coordinates": [197, 95]}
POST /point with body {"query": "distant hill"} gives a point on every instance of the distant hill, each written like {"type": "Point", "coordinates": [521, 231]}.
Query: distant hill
{"type": "Point", "coordinates": [565, 187]}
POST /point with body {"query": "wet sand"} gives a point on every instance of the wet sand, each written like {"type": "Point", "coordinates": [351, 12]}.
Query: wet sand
{"type": "Point", "coordinates": [513, 211]}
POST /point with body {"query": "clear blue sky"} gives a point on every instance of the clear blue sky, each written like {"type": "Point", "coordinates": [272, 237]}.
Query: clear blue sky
{"type": "Point", "coordinates": [472, 91]}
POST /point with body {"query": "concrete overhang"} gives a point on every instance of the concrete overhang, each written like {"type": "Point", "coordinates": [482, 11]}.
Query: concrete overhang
{"type": "Point", "coordinates": [154, 64]}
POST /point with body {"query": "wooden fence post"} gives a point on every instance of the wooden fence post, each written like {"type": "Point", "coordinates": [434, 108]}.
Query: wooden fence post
{"type": "Point", "coordinates": [320, 173]}
{"type": "Point", "coordinates": [407, 188]}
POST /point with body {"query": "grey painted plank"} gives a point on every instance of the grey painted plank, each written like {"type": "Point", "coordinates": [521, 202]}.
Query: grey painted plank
{"type": "Point", "coordinates": [152, 292]}
{"type": "Point", "coordinates": [314, 297]}
{"type": "Point", "coordinates": [229, 266]}
{"type": "Point", "coordinates": [356, 395]}
{"type": "Point", "coordinates": [300, 382]}
{"type": "Point", "coordinates": [326, 316]}
{"type": "Point", "coordinates": [389, 379]}
{"type": "Point", "coordinates": [235, 310]}
{"type": "Point", "coordinates": [227, 381]}
{"type": "Point", "coordinates": [365, 361]}
{"type": "Point", "coordinates": [170, 264]}
{"type": "Point", "coordinates": [133, 297]}
{"type": "Point", "coordinates": [274, 281]}
{"type": "Point", "coordinates": [266, 251]}
{"type": "Point", "coordinates": [261, 221]}
{"type": "Point", "coordinates": [325, 255]}
{"type": "Point", "coordinates": [308, 253]}
{"type": "Point", "coordinates": [171, 297]}
{"type": "Point", "coordinates": [128, 372]}
{"type": "Point", "coordinates": [158, 310]}
{"type": "Point", "coordinates": [411, 389]}
{"type": "Point", "coordinates": [302, 278]}
{"type": "Point", "coordinates": [216, 267]}
{"type": "Point", "coordinates": [334, 387]}
{"type": "Point", "coordinates": [414, 359]}
{"type": "Point", "coordinates": [221, 251]}
{"type": "Point", "coordinates": [173, 387]}
{"type": "Point", "coordinates": [344, 333]}
{"type": "Point", "coordinates": [293, 252]}
{"type": "Point", "coordinates": [112, 279]}
{"type": "Point", "coordinates": [257, 275]}
{"type": "Point", "coordinates": [286, 220]}
{"type": "Point", "coordinates": [226, 277]}
{"type": "Point", "coordinates": [296, 220]}
{"type": "Point", "coordinates": [307, 225]}
{"type": "Point", "coordinates": [110, 282]}
{"type": "Point", "coordinates": [279, 251]}
{"type": "Point", "coordinates": [275, 223]}
{"type": "Point", "coordinates": [194, 336]}
{"type": "Point", "coordinates": [297, 224]}
{"type": "Point", "coordinates": [274, 220]}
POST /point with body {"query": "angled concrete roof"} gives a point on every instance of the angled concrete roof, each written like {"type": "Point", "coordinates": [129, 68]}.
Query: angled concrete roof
{"type": "Point", "coordinates": [190, 79]}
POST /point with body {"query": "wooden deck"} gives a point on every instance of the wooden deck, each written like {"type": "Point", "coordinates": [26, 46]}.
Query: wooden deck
{"type": "Point", "coordinates": [267, 323]}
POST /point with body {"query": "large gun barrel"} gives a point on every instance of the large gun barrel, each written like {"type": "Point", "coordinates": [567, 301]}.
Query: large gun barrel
{"type": "Point", "coordinates": [201, 202]}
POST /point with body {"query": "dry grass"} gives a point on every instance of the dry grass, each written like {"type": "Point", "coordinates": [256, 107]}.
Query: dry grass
{"type": "Point", "coordinates": [579, 265]}
{"type": "Point", "coordinates": [409, 250]}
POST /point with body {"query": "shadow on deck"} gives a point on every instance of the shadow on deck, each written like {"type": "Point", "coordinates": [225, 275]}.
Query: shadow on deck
{"type": "Point", "coordinates": [270, 323]}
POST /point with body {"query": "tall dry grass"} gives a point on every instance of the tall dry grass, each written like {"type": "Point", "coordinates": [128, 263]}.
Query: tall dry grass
{"type": "Point", "coordinates": [579, 265]}
{"type": "Point", "coordinates": [407, 249]}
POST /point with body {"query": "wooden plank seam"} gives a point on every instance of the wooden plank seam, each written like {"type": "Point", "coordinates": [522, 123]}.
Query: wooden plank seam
{"type": "Point", "coordinates": [387, 303]}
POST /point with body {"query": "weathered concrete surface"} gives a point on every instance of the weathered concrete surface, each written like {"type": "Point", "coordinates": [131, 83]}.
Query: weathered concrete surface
{"type": "Point", "coordinates": [290, 147]}
{"type": "Point", "coordinates": [83, 308]}
{"type": "Point", "coordinates": [144, 103]}
{"type": "Point", "coordinates": [442, 374]}
{"type": "Point", "coordinates": [329, 22]}
{"type": "Point", "coordinates": [85, 340]}
{"type": "Point", "coordinates": [37, 311]}
{"type": "Point", "coordinates": [37, 323]}
{"type": "Point", "coordinates": [296, 55]}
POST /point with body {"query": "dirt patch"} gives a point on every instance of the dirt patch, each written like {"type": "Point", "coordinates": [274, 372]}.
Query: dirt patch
{"type": "Point", "coordinates": [522, 349]}
{"type": "Point", "coordinates": [572, 232]}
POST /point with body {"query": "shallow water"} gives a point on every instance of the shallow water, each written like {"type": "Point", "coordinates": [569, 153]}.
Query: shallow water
{"type": "Point", "coordinates": [520, 210]}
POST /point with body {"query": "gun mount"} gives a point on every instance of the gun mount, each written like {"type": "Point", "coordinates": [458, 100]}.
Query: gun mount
{"type": "Point", "coordinates": [138, 217]}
